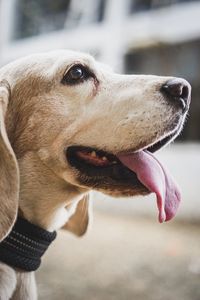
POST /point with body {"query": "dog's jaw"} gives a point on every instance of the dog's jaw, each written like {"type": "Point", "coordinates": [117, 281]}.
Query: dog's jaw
{"type": "Point", "coordinates": [56, 202]}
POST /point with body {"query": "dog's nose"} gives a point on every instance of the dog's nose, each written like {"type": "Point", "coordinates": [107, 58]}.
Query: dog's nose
{"type": "Point", "coordinates": [178, 91]}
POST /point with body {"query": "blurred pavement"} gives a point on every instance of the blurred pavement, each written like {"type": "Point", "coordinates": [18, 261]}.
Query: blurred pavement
{"type": "Point", "coordinates": [124, 258]}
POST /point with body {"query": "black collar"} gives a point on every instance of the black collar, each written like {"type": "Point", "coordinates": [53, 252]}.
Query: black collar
{"type": "Point", "coordinates": [25, 245]}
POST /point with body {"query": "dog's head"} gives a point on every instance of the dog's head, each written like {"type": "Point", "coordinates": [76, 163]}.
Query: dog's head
{"type": "Point", "coordinates": [74, 125]}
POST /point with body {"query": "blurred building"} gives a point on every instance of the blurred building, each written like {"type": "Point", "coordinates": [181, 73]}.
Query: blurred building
{"type": "Point", "coordinates": [134, 36]}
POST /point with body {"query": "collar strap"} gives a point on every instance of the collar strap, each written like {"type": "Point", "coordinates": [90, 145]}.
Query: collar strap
{"type": "Point", "coordinates": [25, 245]}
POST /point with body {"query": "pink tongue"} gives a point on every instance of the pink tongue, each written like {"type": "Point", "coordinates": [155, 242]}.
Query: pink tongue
{"type": "Point", "coordinates": [157, 179]}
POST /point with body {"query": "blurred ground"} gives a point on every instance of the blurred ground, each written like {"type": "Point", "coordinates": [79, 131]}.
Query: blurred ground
{"type": "Point", "coordinates": [124, 258]}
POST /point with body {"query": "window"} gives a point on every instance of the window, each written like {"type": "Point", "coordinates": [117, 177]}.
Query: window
{"type": "Point", "coordinates": [143, 5]}
{"type": "Point", "coordinates": [35, 17]}
{"type": "Point", "coordinates": [182, 60]}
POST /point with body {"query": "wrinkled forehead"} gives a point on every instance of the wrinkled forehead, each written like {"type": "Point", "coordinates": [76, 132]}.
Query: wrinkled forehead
{"type": "Point", "coordinates": [63, 59]}
{"type": "Point", "coordinates": [60, 59]}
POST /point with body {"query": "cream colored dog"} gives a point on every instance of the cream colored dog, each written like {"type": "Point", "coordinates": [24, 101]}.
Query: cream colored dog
{"type": "Point", "coordinates": [70, 125]}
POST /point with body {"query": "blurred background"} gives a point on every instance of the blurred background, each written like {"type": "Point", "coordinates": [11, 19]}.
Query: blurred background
{"type": "Point", "coordinates": [127, 254]}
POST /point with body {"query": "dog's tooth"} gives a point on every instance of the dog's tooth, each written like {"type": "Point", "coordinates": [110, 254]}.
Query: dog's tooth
{"type": "Point", "coordinates": [104, 158]}
{"type": "Point", "coordinates": [93, 154]}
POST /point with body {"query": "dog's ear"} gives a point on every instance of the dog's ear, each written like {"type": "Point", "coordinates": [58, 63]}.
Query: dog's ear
{"type": "Point", "coordinates": [9, 171]}
{"type": "Point", "coordinates": [79, 221]}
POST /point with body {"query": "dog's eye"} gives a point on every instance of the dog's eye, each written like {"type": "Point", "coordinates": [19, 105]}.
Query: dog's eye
{"type": "Point", "coordinates": [76, 74]}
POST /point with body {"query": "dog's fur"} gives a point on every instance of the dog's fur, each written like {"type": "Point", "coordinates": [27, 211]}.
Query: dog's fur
{"type": "Point", "coordinates": [40, 118]}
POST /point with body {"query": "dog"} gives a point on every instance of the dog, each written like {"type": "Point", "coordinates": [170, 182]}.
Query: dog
{"type": "Point", "coordinates": [70, 125]}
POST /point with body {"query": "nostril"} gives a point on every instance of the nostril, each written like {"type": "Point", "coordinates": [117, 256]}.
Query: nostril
{"type": "Point", "coordinates": [185, 93]}
{"type": "Point", "coordinates": [178, 91]}
{"type": "Point", "coordinates": [174, 90]}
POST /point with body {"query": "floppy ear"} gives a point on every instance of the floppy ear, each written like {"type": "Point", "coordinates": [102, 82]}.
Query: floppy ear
{"type": "Point", "coordinates": [9, 172]}
{"type": "Point", "coordinates": [79, 221]}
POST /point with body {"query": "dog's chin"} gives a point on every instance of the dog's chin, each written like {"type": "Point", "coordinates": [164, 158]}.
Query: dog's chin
{"type": "Point", "coordinates": [103, 171]}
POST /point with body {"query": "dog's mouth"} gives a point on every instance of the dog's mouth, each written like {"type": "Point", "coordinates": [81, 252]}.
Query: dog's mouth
{"type": "Point", "coordinates": [128, 172]}
{"type": "Point", "coordinates": [91, 159]}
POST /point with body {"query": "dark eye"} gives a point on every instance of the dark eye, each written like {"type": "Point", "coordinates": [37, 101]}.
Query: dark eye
{"type": "Point", "coordinates": [76, 74]}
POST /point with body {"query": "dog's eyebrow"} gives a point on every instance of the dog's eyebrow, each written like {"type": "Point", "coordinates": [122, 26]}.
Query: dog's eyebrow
{"type": "Point", "coordinates": [105, 67]}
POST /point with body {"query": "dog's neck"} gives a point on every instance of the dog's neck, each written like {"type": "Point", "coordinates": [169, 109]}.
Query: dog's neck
{"type": "Point", "coordinates": [46, 201]}
{"type": "Point", "coordinates": [50, 218]}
